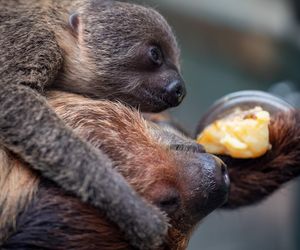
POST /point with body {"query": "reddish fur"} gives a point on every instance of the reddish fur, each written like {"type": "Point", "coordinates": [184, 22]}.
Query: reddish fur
{"type": "Point", "coordinates": [118, 131]}
{"type": "Point", "coordinates": [53, 219]}
{"type": "Point", "coordinates": [80, 225]}
{"type": "Point", "coordinates": [127, 139]}
{"type": "Point", "coordinates": [18, 185]}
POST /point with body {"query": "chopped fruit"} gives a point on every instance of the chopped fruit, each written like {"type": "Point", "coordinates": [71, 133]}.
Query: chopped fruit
{"type": "Point", "coordinates": [242, 134]}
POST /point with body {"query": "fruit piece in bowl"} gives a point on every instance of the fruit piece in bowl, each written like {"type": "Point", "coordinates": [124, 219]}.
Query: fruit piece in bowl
{"type": "Point", "coordinates": [241, 134]}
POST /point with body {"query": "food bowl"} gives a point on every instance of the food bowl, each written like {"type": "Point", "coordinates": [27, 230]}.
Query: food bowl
{"type": "Point", "coordinates": [243, 100]}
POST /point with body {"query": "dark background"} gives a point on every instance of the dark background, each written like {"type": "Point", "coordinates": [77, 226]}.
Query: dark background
{"type": "Point", "coordinates": [230, 45]}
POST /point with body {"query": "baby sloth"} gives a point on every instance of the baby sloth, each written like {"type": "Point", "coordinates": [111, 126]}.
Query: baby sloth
{"type": "Point", "coordinates": [186, 184]}
{"type": "Point", "coordinates": [98, 48]}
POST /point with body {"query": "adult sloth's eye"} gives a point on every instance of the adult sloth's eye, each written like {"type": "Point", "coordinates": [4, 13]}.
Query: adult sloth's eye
{"type": "Point", "coordinates": [188, 147]}
{"type": "Point", "coordinates": [170, 204]}
{"type": "Point", "coordinates": [156, 56]}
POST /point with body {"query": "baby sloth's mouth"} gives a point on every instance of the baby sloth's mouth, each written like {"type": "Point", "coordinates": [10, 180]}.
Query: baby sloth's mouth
{"type": "Point", "coordinates": [157, 101]}
{"type": "Point", "coordinates": [161, 95]}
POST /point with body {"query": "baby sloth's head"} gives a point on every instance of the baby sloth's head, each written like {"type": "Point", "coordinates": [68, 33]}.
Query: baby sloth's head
{"type": "Point", "coordinates": [127, 52]}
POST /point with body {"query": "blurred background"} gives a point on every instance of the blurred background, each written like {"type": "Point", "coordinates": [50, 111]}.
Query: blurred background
{"type": "Point", "coordinates": [230, 45]}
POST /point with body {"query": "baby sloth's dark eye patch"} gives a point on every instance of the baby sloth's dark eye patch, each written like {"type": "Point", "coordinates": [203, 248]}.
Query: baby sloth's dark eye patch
{"type": "Point", "coordinates": [156, 55]}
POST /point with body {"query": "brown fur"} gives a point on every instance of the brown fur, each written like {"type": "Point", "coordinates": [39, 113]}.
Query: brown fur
{"type": "Point", "coordinates": [122, 130]}
{"type": "Point", "coordinates": [21, 183]}
{"type": "Point", "coordinates": [52, 219]}
{"type": "Point", "coordinates": [73, 225]}
{"type": "Point", "coordinates": [98, 48]}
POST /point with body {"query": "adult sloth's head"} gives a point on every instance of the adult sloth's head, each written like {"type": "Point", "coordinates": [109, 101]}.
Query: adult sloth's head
{"type": "Point", "coordinates": [168, 170]}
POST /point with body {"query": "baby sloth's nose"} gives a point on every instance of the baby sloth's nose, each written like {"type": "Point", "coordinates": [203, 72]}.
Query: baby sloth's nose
{"type": "Point", "coordinates": [175, 92]}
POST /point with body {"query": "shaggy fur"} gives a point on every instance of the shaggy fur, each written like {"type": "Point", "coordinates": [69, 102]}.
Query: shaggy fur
{"type": "Point", "coordinates": [102, 54]}
{"type": "Point", "coordinates": [159, 163]}
{"type": "Point", "coordinates": [20, 182]}
{"type": "Point", "coordinates": [50, 218]}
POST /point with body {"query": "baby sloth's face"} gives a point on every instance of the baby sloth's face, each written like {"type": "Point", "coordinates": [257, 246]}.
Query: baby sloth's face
{"type": "Point", "coordinates": [136, 56]}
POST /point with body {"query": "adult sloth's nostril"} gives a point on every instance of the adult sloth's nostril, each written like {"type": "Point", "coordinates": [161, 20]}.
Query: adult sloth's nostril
{"type": "Point", "coordinates": [169, 204]}
{"type": "Point", "coordinates": [188, 147]}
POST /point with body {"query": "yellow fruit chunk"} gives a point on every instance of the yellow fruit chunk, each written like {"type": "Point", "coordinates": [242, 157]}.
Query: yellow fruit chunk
{"type": "Point", "coordinates": [242, 134]}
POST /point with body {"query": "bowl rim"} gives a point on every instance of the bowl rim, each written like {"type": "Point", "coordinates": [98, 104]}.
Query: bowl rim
{"type": "Point", "coordinates": [269, 102]}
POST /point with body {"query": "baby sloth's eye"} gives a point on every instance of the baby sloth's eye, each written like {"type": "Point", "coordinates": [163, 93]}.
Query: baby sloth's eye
{"type": "Point", "coordinates": [156, 56]}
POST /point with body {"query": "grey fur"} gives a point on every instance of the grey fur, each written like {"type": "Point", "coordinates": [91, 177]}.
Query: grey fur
{"type": "Point", "coordinates": [34, 44]}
